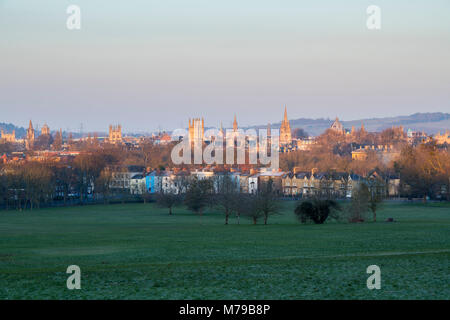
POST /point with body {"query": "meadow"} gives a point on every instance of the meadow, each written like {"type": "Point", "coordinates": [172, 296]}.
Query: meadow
{"type": "Point", "coordinates": [138, 251]}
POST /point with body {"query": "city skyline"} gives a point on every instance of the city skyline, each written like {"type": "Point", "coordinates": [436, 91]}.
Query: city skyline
{"type": "Point", "coordinates": [151, 65]}
{"type": "Point", "coordinates": [433, 122]}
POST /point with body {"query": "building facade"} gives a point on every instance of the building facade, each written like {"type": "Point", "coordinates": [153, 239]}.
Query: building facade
{"type": "Point", "coordinates": [442, 138]}
{"type": "Point", "coordinates": [310, 184]}
{"type": "Point", "coordinates": [8, 137]}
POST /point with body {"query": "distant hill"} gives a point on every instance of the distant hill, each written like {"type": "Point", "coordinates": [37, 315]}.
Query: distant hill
{"type": "Point", "coordinates": [9, 127]}
{"type": "Point", "coordinates": [431, 123]}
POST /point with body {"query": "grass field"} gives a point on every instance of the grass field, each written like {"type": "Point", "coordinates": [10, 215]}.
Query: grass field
{"type": "Point", "coordinates": [138, 251]}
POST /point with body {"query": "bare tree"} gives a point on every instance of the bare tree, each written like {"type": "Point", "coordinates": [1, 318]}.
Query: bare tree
{"type": "Point", "coordinates": [247, 206]}
{"type": "Point", "coordinates": [37, 182]}
{"type": "Point", "coordinates": [425, 170]}
{"type": "Point", "coordinates": [168, 199]}
{"type": "Point", "coordinates": [377, 191]}
{"type": "Point", "coordinates": [64, 180]}
{"type": "Point", "coordinates": [360, 203]}
{"type": "Point", "coordinates": [4, 186]}
{"type": "Point", "coordinates": [103, 184]}
{"type": "Point", "coordinates": [88, 167]}
{"type": "Point", "coordinates": [227, 194]}
{"type": "Point", "coordinates": [267, 201]}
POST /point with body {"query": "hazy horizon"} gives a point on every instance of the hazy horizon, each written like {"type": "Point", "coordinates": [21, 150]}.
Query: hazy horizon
{"type": "Point", "coordinates": [152, 65]}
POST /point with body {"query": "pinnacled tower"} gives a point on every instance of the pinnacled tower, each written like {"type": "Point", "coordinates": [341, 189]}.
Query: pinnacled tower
{"type": "Point", "coordinates": [29, 141]}
{"type": "Point", "coordinates": [45, 130]}
{"type": "Point", "coordinates": [196, 130]}
{"type": "Point", "coordinates": [115, 134]}
{"type": "Point", "coordinates": [285, 130]}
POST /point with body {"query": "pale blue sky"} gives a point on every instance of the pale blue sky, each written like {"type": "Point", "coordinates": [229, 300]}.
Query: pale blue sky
{"type": "Point", "coordinates": [149, 64]}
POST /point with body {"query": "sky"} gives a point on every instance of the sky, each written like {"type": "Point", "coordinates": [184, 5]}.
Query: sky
{"type": "Point", "coordinates": [151, 65]}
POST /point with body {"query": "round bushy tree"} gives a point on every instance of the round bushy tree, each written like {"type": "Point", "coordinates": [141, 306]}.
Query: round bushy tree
{"type": "Point", "coordinates": [316, 210]}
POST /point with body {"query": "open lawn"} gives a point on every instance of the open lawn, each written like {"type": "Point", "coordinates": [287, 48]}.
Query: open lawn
{"type": "Point", "coordinates": [138, 251]}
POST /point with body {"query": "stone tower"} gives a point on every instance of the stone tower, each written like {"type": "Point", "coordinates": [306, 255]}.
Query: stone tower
{"type": "Point", "coordinates": [45, 130]}
{"type": "Point", "coordinates": [285, 130]}
{"type": "Point", "coordinates": [196, 129]}
{"type": "Point", "coordinates": [115, 134]}
{"type": "Point", "coordinates": [29, 141]}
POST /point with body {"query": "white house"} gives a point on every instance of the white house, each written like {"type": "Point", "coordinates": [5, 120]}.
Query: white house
{"type": "Point", "coordinates": [137, 184]}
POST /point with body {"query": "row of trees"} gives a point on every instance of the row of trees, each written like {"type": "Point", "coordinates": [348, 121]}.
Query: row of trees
{"type": "Point", "coordinates": [29, 184]}
{"type": "Point", "coordinates": [223, 194]}
{"type": "Point", "coordinates": [26, 186]}
{"type": "Point", "coordinates": [424, 171]}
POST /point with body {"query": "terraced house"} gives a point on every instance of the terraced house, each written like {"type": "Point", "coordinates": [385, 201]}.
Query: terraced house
{"type": "Point", "coordinates": [308, 184]}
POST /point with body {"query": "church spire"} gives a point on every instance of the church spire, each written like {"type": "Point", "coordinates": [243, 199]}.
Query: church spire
{"type": "Point", "coordinates": [285, 130]}
{"type": "Point", "coordinates": [235, 126]}
{"type": "Point", "coordinates": [285, 114]}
